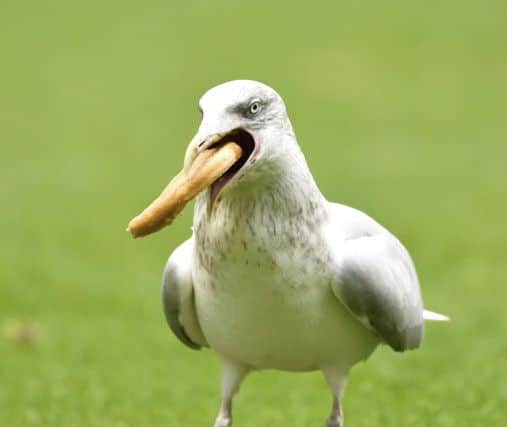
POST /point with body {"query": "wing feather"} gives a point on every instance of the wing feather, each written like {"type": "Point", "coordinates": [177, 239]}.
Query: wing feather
{"type": "Point", "coordinates": [376, 279]}
{"type": "Point", "coordinates": [178, 297]}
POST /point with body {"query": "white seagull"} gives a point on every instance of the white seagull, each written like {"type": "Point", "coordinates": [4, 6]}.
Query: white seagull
{"type": "Point", "coordinates": [275, 276]}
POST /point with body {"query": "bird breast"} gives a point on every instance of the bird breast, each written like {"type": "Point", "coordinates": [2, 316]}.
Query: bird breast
{"type": "Point", "coordinates": [262, 289]}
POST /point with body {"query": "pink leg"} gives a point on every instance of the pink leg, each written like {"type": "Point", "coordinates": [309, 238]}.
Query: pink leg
{"type": "Point", "coordinates": [337, 381]}
{"type": "Point", "coordinates": [232, 376]}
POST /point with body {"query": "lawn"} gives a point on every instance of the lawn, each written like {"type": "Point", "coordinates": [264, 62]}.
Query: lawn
{"type": "Point", "coordinates": [400, 108]}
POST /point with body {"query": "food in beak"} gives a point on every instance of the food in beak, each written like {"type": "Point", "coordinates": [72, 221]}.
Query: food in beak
{"type": "Point", "coordinates": [207, 167]}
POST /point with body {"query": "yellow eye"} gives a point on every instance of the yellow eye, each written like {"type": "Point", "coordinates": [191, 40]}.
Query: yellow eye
{"type": "Point", "coordinates": [254, 107]}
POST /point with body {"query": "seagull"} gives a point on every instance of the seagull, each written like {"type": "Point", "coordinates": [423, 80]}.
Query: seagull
{"type": "Point", "coordinates": [274, 275]}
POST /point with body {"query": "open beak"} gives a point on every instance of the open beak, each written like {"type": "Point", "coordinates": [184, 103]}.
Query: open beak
{"type": "Point", "coordinates": [205, 163]}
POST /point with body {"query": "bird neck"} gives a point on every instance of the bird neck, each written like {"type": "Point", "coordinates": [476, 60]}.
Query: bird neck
{"type": "Point", "coordinates": [289, 190]}
{"type": "Point", "coordinates": [276, 196]}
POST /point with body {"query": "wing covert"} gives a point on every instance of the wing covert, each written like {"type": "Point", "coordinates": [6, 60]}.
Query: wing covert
{"type": "Point", "coordinates": [178, 297]}
{"type": "Point", "coordinates": [377, 281]}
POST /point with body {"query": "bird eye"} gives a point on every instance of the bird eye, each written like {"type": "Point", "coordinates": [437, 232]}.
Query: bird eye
{"type": "Point", "coordinates": [254, 107]}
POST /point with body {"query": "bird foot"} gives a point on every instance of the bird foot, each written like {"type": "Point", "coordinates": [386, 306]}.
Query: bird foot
{"type": "Point", "coordinates": [223, 421]}
{"type": "Point", "coordinates": [334, 422]}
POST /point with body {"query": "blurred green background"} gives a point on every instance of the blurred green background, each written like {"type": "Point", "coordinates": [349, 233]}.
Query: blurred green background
{"type": "Point", "coordinates": [400, 108]}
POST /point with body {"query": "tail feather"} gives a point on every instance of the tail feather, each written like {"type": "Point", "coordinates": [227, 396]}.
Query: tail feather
{"type": "Point", "coordinates": [435, 317]}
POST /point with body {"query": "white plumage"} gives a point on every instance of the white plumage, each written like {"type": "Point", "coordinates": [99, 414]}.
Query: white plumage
{"type": "Point", "coordinates": [275, 276]}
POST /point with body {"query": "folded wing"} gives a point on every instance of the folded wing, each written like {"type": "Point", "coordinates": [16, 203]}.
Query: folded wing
{"type": "Point", "coordinates": [376, 279]}
{"type": "Point", "coordinates": [178, 297]}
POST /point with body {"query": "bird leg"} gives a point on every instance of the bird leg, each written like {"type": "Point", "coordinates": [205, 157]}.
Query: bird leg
{"type": "Point", "coordinates": [336, 380]}
{"type": "Point", "coordinates": [232, 376]}
{"type": "Point", "coordinates": [224, 418]}
{"type": "Point", "coordinates": [336, 417]}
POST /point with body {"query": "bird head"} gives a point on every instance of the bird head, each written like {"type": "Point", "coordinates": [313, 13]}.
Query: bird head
{"type": "Point", "coordinates": [244, 131]}
{"type": "Point", "coordinates": [249, 113]}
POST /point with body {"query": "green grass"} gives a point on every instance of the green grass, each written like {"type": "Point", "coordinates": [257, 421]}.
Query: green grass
{"type": "Point", "coordinates": [401, 110]}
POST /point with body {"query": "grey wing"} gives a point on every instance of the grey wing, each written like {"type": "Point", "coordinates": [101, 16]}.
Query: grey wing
{"type": "Point", "coordinates": [178, 297]}
{"type": "Point", "coordinates": [376, 279]}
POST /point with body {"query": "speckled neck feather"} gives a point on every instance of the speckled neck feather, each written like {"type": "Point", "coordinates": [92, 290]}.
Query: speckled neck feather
{"type": "Point", "coordinates": [275, 204]}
